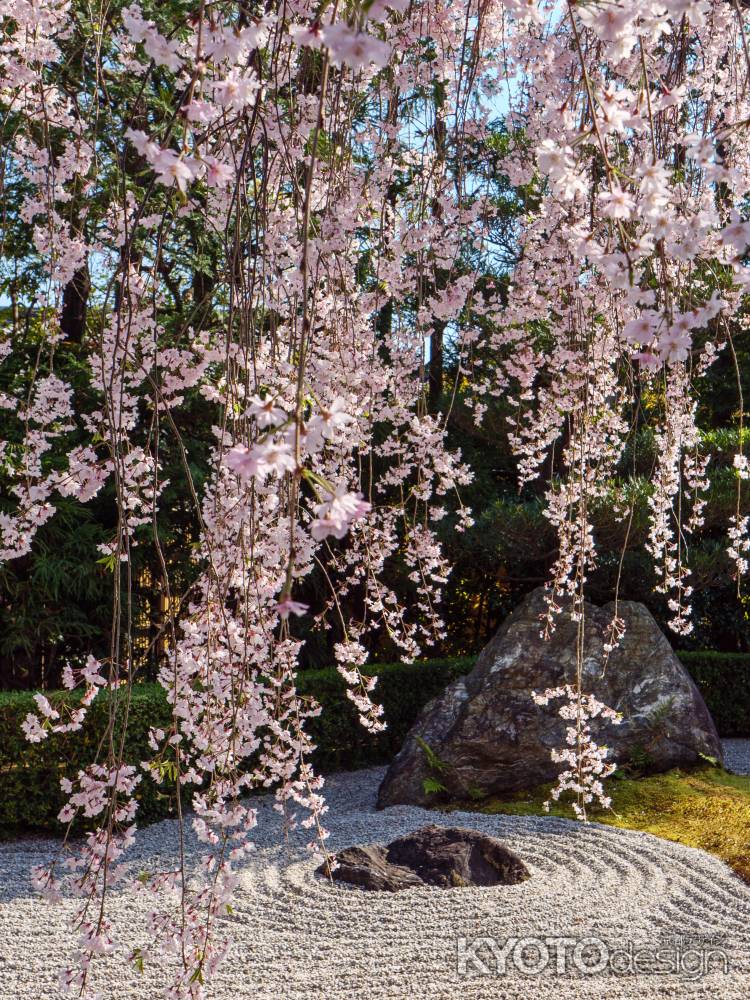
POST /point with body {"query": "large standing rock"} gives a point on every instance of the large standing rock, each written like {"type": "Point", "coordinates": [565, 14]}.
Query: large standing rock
{"type": "Point", "coordinates": [491, 737]}
{"type": "Point", "coordinates": [448, 857]}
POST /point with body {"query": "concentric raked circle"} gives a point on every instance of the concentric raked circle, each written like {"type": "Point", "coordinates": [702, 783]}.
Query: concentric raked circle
{"type": "Point", "coordinates": [296, 935]}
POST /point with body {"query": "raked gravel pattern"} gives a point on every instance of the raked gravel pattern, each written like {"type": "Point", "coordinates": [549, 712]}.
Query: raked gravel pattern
{"type": "Point", "coordinates": [737, 755]}
{"type": "Point", "coordinates": [297, 936]}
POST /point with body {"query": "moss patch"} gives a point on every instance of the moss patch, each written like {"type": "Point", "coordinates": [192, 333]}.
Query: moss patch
{"type": "Point", "coordinates": [707, 807]}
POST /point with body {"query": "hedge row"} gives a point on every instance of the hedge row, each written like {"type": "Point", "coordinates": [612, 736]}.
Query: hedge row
{"type": "Point", "coordinates": [724, 681]}
{"type": "Point", "coordinates": [30, 794]}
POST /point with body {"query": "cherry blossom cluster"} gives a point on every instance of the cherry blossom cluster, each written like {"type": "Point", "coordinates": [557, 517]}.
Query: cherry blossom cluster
{"type": "Point", "coordinates": [632, 263]}
{"type": "Point", "coordinates": [311, 389]}
{"type": "Point", "coordinates": [323, 152]}
{"type": "Point", "coordinates": [586, 764]}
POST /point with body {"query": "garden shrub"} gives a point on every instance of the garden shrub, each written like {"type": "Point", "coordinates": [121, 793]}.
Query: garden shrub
{"type": "Point", "coordinates": [724, 681]}
{"type": "Point", "coordinates": [30, 793]}
{"type": "Point", "coordinates": [403, 688]}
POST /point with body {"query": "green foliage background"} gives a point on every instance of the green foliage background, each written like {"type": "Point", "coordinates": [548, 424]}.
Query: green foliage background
{"type": "Point", "coordinates": [56, 602]}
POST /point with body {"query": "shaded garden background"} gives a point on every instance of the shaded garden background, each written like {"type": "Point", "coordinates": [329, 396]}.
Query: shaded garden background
{"type": "Point", "coordinates": [55, 603]}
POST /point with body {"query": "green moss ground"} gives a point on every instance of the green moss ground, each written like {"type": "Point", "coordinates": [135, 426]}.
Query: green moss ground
{"type": "Point", "coordinates": [707, 807]}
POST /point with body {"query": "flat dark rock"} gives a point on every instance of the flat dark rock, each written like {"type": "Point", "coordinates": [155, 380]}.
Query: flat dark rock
{"type": "Point", "coordinates": [448, 857]}
{"type": "Point", "coordinates": [490, 737]}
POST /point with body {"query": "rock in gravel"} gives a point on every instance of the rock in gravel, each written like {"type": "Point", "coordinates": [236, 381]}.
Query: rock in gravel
{"type": "Point", "coordinates": [447, 857]}
{"type": "Point", "coordinates": [485, 735]}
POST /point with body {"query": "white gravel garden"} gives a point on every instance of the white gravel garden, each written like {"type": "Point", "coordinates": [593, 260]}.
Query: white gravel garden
{"type": "Point", "coordinates": [295, 935]}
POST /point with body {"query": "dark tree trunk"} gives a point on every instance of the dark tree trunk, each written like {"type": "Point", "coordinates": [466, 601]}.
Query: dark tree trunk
{"type": "Point", "coordinates": [75, 302]}
{"type": "Point", "coordinates": [435, 373]}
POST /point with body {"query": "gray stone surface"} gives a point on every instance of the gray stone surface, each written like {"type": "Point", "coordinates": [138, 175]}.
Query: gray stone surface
{"type": "Point", "coordinates": [491, 737]}
{"type": "Point", "coordinates": [447, 857]}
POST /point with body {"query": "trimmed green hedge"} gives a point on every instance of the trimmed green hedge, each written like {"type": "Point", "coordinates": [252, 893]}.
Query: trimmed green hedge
{"type": "Point", "coordinates": [30, 794]}
{"type": "Point", "coordinates": [724, 681]}
{"type": "Point", "coordinates": [403, 688]}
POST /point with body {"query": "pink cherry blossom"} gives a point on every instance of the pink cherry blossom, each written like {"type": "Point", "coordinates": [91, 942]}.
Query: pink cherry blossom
{"type": "Point", "coordinates": [218, 174]}
{"type": "Point", "coordinates": [641, 330]}
{"type": "Point", "coordinates": [242, 461]}
{"type": "Point", "coordinates": [33, 729]}
{"type": "Point", "coordinates": [287, 606]}
{"type": "Point", "coordinates": [199, 111]}
{"type": "Point", "coordinates": [134, 23]}
{"type": "Point", "coordinates": [737, 235]}
{"type": "Point", "coordinates": [616, 203]}
{"type": "Point", "coordinates": [236, 92]}
{"type": "Point", "coordinates": [163, 51]}
{"type": "Point", "coordinates": [266, 412]}
{"type": "Point", "coordinates": [354, 48]}
{"type": "Point", "coordinates": [262, 459]}
{"type": "Point", "coordinates": [45, 708]}
{"type": "Point", "coordinates": [674, 345]}
{"type": "Point", "coordinates": [324, 425]}
{"type": "Point", "coordinates": [334, 516]}
{"type": "Point", "coordinates": [171, 168]}
{"type": "Point", "coordinates": [143, 144]}
{"type": "Point", "coordinates": [307, 34]}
